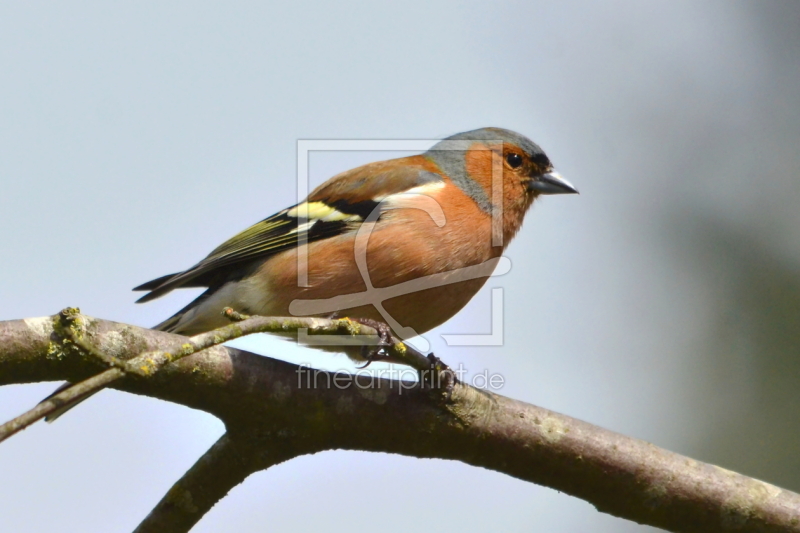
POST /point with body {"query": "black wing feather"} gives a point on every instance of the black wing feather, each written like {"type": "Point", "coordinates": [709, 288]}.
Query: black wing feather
{"type": "Point", "coordinates": [268, 237]}
{"type": "Point", "coordinates": [352, 194]}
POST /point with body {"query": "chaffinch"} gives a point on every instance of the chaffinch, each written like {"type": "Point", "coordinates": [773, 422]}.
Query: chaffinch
{"type": "Point", "coordinates": [419, 217]}
{"type": "Point", "coordinates": [426, 229]}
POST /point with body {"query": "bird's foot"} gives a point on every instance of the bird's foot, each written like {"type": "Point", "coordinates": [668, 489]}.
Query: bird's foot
{"type": "Point", "coordinates": [372, 353]}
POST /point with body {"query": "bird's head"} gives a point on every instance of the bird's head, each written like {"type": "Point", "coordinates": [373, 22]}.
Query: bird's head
{"type": "Point", "coordinates": [499, 169]}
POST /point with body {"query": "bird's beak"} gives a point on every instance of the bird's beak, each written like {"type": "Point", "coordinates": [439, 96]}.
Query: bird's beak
{"type": "Point", "coordinates": [551, 183]}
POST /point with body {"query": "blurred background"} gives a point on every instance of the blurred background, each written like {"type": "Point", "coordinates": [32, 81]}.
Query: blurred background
{"type": "Point", "coordinates": [663, 302]}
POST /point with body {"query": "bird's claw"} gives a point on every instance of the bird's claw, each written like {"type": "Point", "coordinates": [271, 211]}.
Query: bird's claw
{"type": "Point", "coordinates": [380, 351]}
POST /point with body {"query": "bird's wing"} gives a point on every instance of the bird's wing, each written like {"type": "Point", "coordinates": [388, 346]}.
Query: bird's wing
{"type": "Point", "coordinates": [336, 206]}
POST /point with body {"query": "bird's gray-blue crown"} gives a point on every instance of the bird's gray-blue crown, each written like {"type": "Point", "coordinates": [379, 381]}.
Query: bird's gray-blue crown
{"type": "Point", "coordinates": [496, 134]}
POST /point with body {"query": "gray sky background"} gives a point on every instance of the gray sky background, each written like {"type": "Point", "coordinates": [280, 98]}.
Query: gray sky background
{"type": "Point", "coordinates": [662, 302]}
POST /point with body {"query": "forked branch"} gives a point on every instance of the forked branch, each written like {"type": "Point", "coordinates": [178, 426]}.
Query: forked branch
{"type": "Point", "coordinates": [274, 411]}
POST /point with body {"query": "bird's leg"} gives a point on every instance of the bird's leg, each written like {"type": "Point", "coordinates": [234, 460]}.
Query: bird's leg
{"type": "Point", "coordinates": [375, 353]}
{"type": "Point", "coordinates": [437, 376]}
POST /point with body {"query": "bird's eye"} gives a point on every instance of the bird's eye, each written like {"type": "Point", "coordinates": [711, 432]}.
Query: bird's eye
{"type": "Point", "coordinates": [514, 160]}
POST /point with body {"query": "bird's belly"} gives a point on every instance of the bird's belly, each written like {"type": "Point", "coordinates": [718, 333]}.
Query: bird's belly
{"type": "Point", "coordinates": [410, 295]}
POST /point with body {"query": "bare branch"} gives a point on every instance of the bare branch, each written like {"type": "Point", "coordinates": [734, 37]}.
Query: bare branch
{"type": "Point", "coordinates": [275, 410]}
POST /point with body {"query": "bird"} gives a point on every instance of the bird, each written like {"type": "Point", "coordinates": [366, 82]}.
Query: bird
{"type": "Point", "coordinates": [256, 271]}
{"type": "Point", "coordinates": [423, 219]}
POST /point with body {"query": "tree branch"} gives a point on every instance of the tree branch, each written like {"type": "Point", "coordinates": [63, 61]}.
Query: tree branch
{"type": "Point", "coordinates": [226, 464]}
{"type": "Point", "coordinates": [70, 326]}
{"type": "Point", "coordinates": [274, 411]}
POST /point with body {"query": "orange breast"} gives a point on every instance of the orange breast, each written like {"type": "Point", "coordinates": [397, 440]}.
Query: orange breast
{"type": "Point", "coordinates": [401, 252]}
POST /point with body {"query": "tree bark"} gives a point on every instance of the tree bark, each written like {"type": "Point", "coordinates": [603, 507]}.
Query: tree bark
{"type": "Point", "coordinates": [274, 411]}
